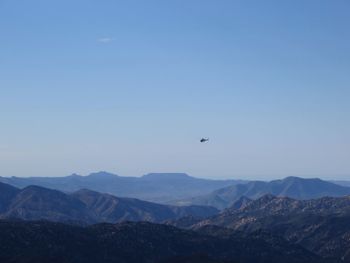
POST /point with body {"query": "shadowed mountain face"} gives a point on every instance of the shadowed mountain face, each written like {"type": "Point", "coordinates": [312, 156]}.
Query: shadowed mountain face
{"type": "Point", "coordinates": [320, 225]}
{"type": "Point", "coordinates": [141, 243]}
{"type": "Point", "coordinates": [7, 193]}
{"type": "Point", "coordinates": [291, 186]}
{"type": "Point", "coordinates": [156, 187]}
{"type": "Point", "coordinates": [87, 207]}
{"type": "Point", "coordinates": [34, 202]}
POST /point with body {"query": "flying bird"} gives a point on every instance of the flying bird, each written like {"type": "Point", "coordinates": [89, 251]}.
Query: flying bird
{"type": "Point", "coordinates": [204, 140]}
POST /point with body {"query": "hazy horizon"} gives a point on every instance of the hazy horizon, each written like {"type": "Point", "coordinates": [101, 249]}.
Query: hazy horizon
{"type": "Point", "coordinates": [131, 87]}
{"type": "Point", "coordinates": [234, 177]}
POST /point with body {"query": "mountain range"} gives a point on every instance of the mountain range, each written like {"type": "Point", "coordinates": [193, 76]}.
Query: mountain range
{"type": "Point", "coordinates": [86, 207]}
{"type": "Point", "coordinates": [259, 222]}
{"type": "Point", "coordinates": [293, 187]}
{"type": "Point", "coordinates": [154, 187]}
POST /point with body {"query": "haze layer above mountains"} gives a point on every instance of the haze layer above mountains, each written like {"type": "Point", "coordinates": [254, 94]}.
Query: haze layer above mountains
{"type": "Point", "coordinates": [154, 187]}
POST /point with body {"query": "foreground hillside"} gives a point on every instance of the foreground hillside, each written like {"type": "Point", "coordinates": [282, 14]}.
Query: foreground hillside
{"type": "Point", "coordinates": [86, 207]}
{"type": "Point", "coordinates": [155, 187]}
{"type": "Point", "coordinates": [319, 225]}
{"type": "Point", "coordinates": [293, 187]}
{"type": "Point", "coordinates": [32, 242]}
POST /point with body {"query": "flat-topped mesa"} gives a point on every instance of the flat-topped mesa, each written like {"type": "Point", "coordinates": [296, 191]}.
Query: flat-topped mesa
{"type": "Point", "coordinates": [103, 174]}
{"type": "Point", "coordinates": [166, 176]}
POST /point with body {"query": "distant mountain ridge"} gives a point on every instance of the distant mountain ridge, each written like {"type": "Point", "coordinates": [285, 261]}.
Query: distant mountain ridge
{"type": "Point", "coordinates": [154, 187]}
{"type": "Point", "coordinates": [86, 207]}
{"type": "Point", "coordinates": [294, 187]}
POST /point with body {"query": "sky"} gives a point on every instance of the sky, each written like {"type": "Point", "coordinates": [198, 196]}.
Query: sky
{"type": "Point", "coordinates": [131, 87]}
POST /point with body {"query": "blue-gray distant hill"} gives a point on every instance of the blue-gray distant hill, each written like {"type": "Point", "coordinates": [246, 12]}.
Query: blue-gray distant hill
{"type": "Point", "coordinates": [154, 187]}
{"type": "Point", "coordinates": [86, 207]}
{"type": "Point", "coordinates": [293, 187]}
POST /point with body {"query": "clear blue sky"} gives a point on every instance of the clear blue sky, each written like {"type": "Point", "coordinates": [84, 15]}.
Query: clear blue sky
{"type": "Point", "coordinates": [131, 86]}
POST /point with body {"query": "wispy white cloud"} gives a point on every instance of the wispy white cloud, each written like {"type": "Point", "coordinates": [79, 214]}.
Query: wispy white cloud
{"type": "Point", "coordinates": [105, 40]}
